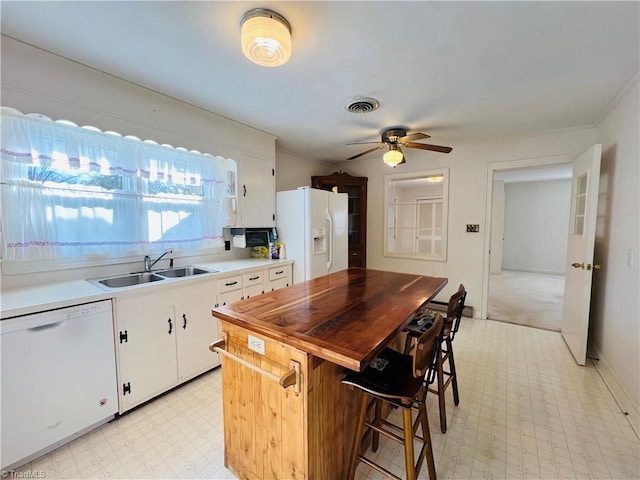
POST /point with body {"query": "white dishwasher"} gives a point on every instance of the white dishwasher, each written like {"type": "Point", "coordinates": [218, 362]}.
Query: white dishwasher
{"type": "Point", "coordinates": [58, 378]}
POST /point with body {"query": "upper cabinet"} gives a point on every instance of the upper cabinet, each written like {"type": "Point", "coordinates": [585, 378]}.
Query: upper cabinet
{"type": "Point", "coordinates": [356, 188]}
{"type": "Point", "coordinates": [256, 192]}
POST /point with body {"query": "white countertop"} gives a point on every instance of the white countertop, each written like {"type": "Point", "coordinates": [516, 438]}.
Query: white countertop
{"type": "Point", "coordinates": [25, 300]}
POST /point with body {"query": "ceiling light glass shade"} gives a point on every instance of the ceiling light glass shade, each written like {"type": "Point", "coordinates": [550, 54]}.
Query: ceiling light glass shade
{"type": "Point", "coordinates": [393, 157]}
{"type": "Point", "coordinates": [265, 37]}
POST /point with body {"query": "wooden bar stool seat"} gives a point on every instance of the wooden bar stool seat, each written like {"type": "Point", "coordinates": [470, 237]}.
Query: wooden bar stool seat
{"type": "Point", "coordinates": [402, 381]}
{"type": "Point", "coordinates": [444, 356]}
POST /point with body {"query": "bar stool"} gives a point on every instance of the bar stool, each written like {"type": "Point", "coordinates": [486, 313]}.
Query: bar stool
{"type": "Point", "coordinates": [445, 352]}
{"type": "Point", "coordinates": [399, 380]}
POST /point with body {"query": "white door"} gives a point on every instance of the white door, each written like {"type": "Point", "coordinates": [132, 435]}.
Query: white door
{"type": "Point", "coordinates": [579, 270]}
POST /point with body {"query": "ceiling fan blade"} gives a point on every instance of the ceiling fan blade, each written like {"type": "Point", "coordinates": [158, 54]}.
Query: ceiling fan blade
{"type": "Point", "coordinates": [413, 136]}
{"type": "Point", "coordinates": [364, 143]}
{"type": "Point", "coordinates": [425, 146]}
{"type": "Point", "coordinates": [366, 151]}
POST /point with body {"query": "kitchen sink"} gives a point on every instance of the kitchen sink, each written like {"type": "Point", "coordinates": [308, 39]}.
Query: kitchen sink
{"type": "Point", "coordinates": [187, 271]}
{"type": "Point", "coordinates": [139, 278]}
{"type": "Point", "coordinates": [130, 280]}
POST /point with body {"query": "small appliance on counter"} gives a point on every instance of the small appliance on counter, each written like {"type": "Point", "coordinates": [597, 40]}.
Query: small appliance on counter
{"type": "Point", "coordinates": [242, 237]}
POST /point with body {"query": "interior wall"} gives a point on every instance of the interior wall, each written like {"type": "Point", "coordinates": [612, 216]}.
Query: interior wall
{"type": "Point", "coordinates": [536, 224]}
{"type": "Point", "coordinates": [35, 81]}
{"type": "Point", "coordinates": [468, 179]}
{"type": "Point", "coordinates": [615, 327]}
{"type": "Point", "coordinates": [292, 171]}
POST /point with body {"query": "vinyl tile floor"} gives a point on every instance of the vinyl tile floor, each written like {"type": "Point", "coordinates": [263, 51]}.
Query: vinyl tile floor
{"type": "Point", "coordinates": [527, 411]}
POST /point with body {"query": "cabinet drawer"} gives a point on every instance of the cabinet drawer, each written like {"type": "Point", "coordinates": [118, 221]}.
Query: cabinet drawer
{"type": "Point", "coordinates": [230, 283]}
{"type": "Point", "coordinates": [276, 273]}
{"type": "Point", "coordinates": [253, 278]}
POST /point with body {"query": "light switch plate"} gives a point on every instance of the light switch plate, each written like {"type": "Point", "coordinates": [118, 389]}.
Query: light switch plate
{"type": "Point", "coordinates": [256, 344]}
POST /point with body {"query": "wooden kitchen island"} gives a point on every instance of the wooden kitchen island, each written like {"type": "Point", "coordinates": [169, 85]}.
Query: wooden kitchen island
{"type": "Point", "coordinates": [286, 413]}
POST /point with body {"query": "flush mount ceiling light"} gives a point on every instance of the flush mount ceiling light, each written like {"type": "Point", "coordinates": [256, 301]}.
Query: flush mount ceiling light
{"type": "Point", "coordinates": [394, 156]}
{"type": "Point", "coordinates": [435, 178]}
{"type": "Point", "coordinates": [265, 37]}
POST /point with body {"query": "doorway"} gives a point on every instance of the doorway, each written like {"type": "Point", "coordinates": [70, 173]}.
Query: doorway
{"type": "Point", "coordinates": [528, 238]}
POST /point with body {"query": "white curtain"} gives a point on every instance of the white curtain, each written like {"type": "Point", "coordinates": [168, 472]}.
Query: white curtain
{"type": "Point", "coordinates": [76, 194]}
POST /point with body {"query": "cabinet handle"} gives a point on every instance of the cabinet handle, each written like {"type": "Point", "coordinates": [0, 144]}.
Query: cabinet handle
{"type": "Point", "coordinates": [170, 326]}
{"type": "Point", "coordinates": [244, 190]}
{"type": "Point", "coordinates": [184, 317]}
{"type": "Point", "coordinates": [279, 272]}
{"type": "Point", "coordinates": [254, 278]}
{"type": "Point", "coordinates": [292, 377]}
{"type": "Point", "coordinates": [229, 284]}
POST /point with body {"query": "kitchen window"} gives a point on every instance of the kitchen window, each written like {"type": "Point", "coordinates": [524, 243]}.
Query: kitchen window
{"type": "Point", "coordinates": [416, 215]}
{"type": "Point", "coordinates": [77, 196]}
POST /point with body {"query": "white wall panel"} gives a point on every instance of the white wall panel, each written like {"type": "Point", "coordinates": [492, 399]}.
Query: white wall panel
{"type": "Point", "coordinates": [536, 224]}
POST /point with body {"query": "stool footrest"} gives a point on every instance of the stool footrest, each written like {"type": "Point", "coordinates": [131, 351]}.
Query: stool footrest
{"type": "Point", "coordinates": [378, 468]}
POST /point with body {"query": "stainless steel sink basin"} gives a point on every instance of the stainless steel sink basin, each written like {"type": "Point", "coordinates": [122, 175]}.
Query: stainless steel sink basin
{"type": "Point", "coordinates": [187, 271]}
{"type": "Point", "coordinates": [130, 280]}
{"type": "Point", "coordinates": [140, 278]}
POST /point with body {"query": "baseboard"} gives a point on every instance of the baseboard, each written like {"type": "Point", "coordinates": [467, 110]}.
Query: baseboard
{"type": "Point", "coordinates": [467, 311]}
{"type": "Point", "coordinates": [533, 270]}
{"type": "Point", "coordinates": [624, 399]}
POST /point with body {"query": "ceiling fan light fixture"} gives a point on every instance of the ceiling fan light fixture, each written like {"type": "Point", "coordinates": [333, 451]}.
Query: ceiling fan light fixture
{"type": "Point", "coordinates": [394, 156]}
{"type": "Point", "coordinates": [265, 37]}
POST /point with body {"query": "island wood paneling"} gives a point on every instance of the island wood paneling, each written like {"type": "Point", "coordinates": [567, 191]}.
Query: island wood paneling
{"type": "Point", "coordinates": [326, 324]}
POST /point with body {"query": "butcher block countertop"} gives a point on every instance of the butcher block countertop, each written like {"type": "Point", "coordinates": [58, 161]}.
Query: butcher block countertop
{"type": "Point", "coordinates": [345, 318]}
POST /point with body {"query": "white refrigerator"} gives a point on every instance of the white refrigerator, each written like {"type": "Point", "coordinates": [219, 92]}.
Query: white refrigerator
{"type": "Point", "coordinates": [312, 224]}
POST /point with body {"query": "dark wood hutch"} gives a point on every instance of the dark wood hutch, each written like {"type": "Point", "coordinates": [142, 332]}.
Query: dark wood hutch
{"type": "Point", "coordinates": [356, 188]}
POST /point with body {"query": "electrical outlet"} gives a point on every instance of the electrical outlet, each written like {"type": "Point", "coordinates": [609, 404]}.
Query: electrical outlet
{"type": "Point", "coordinates": [473, 228]}
{"type": "Point", "coordinates": [256, 344]}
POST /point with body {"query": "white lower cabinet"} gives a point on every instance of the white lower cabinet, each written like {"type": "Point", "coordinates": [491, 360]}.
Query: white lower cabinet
{"type": "Point", "coordinates": [230, 290]}
{"type": "Point", "coordinates": [253, 283]}
{"type": "Point", "coordinates": [162, 340]}
{"type": "Point", "coordinates": [280, 277]}
{"type": "Point", "coordinates": [163, 336]}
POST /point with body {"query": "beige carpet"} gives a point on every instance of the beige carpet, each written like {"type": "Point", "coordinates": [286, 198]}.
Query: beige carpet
{"type": "Point", "coordinates": [525, 298]}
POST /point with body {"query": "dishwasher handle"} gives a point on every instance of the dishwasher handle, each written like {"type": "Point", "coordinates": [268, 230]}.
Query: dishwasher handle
{"type": "Point", "coordinates": [46, 326]}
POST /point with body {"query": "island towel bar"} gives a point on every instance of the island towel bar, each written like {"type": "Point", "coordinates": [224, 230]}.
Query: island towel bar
{"type": "Point", "coordinates": [292, 377]}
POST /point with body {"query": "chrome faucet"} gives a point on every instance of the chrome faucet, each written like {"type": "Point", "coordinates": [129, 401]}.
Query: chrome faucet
{"type": "Point", "coordinates": [148, 264]}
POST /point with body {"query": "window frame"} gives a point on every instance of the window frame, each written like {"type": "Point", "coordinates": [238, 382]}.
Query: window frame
{"type": "Point", "coordinates": [390, 225]}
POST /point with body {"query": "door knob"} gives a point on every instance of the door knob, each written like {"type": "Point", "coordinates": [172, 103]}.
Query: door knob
{"type": "Point", "coordinates": [577, 265]}
{"type": "Point", "coordinates": [595, 266]}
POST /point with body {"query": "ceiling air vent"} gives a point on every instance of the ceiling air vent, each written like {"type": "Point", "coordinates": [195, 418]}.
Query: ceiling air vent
{"type": "Point", "coordinates": [362, 105]}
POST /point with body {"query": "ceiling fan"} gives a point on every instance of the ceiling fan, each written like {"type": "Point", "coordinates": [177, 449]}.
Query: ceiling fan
{"type": "Point", "coordinates": [396, 137]}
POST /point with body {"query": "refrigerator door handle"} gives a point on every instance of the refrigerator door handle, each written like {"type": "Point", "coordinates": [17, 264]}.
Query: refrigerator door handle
{"type": "Point", "coordinates": [329, 241]}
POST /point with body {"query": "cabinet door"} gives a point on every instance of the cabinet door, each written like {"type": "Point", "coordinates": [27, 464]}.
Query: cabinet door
{"type": "Point", "coordinates": [230, 290]}
{"type": "Point", "coordinates": [253, 283]}
{"type": "Point", "coordinates": [256, 191]}
{"type": "Point", "coordinates": [147, 353]}
{"type": "Point", "coordinates": [226, 298]}
{"type": "Point", "coordinates": [196, 330]}
{"type": "Point", "coordinates": [279, 277]}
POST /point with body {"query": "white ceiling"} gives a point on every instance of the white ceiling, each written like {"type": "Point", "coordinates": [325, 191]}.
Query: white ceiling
{"type": "Point", "coordinates": [459, 71]}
